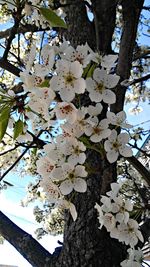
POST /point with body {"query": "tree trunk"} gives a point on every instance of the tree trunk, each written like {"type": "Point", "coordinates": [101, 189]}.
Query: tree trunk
{"type": "Point", "coordinates": [84, 244]}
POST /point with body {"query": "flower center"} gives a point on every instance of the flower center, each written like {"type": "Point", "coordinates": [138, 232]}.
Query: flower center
{"type": "Point", "coordinates": [66, 109]}
{"type": "Point", "coordinates": [116, 145]}
{"type": "Point", "coordinates": [49, 168]}
{"type": "Point", "coordinates": [69, 78]}
{"type": "Point", "coordinates": [77, 150]}
{"type": "Point", "coordinates": [71, 176]}
{"type": "Point", "coordinates": [100, 87]}
{"type": "Point", "coordinates": [96, 130]}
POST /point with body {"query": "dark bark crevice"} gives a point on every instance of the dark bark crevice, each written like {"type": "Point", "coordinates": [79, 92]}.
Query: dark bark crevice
{"type": "Point", "coordinates": [105, 17]}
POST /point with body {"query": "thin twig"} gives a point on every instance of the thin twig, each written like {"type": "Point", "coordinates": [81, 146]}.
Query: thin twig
{"type": "Point", "coordinates": [19, 158]}
{"type": "Point", "coordinates": [141, 150]}
{"type": "Point", "coordinates": [139, 80]}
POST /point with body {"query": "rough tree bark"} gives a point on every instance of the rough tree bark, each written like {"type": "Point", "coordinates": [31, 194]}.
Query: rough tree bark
{"type": "Point", "coordinates": [84, 244]}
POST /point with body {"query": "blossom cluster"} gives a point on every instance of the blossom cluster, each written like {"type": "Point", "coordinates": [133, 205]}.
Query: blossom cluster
{"type": "Point", "coordinates": [135, 258]}
{"type": "Point", "coordinates": [114, 215]}
{"type": "Point", "coordinates": [55, 86]}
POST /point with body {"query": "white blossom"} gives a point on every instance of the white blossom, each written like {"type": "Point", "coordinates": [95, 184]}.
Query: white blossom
{"type": "Point", "coordinates": [106, 219]}
{"type": "Point", "coordinates": [97, 87]}
{"type": "Point", "coordinates": [74, 149]}
{"type": "Point", "coordinates": [68, 80]}
{"type": "Point", "coordinates": [51, 190]}
{"type": "Point", "coordinates": [30, 81]}
{"type": "Point", "coordinates": [45, 166]}
{"type": "Point", "coordinates": [97, 130]}
{"type": "Point", "coordinates": [72, 178]}
{"type": "Point", "coordinates": [95, 110]}
{"type": "Point", "coordinates": [47, 56]}
{"type": "Point", "coordinates": [79, 126]}
{"type": "Point", "coordinates": [115, 187]}
{"type": "Point", "coordinates": [66, 111]}
{"type": "Point", "coordinates": [118, 119]}
{"type": "Point", "coordinates": [79, 54]}
{"type": "Point", "coordinates": [129, 233]}
{"type": "Point", "coordinates": [107, 61]}
{"type": "Point", "coordinates": [115, 145]}
{"type": "Point", "coordinates": [55, 153]}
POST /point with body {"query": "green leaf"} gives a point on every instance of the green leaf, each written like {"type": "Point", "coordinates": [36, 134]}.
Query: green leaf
{"type": "Point", "coordinates": [52, 18]}
{"type": "Point", "coordinates": [91, 70]}
{"type": "Point", "coordinates": [18, 129]}
{"type": "Point", "coordinates": [44, 84]}
{"type": "Point", "coordinates": [34, 151]}
{"type": "Point", "coordinates": [88, 71]}
{"type": "Point", "coordinates": [4, 118]}
{"type": "Point", "coordinates": [3, 91]}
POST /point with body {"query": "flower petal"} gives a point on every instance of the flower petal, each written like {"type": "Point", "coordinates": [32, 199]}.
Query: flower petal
{"type": "Point", "coordinates": [109, 97]}
{"type": "Point", "coordinates": [112, 156]}
{"type": "Point", "coordinates": [125, 151]}
{"type": "Point", "coordinates": [66, 187]}
{"type": "Point", "coordinates": [80, 185]}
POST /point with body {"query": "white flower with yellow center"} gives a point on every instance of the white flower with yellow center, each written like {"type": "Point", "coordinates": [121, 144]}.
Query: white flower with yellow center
{"type": "Point", "coordinates": [68, 80]}
{"type": "Point", "coordinates": [71, 176]}
{"type": "Point", "coordinates": [74, 149]}
{"type": "Point", "coordinates": [129, 233]}
{"type": "Point", "coordinates": [97, 87]}
{"type": "Point", "coordinates": [115, 145]}
{"type": "Point", "coordinates": [97, 130]}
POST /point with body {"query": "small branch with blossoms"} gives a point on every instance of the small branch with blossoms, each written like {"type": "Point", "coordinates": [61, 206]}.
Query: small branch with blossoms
{"type": "Point", "coordinates": [114, 214]}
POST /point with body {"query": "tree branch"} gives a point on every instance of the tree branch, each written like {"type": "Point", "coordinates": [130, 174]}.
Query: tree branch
{"type": "Point", "coordinates": [6, 65]}
{"type": "Point", "coordinates": [25, 244]}
{"type": "Point", "coordinates": [140, 168]}
{"type": "Point", "coordinates": [142, 79]}
{"type": "Point", "coordinates": [36, 141]}
{"type": "Point", "coordinates": [141, 55]}
{"type": "Point", "coordinates": [141, 150]}
{"type": "Point", "coordinates": [21, 29]}
{"type": "Point", "coordinates": [131, 11]}
{"type": "Point", "coordinates": [145, 229]}
{"type": "Point", "coordinates": [146, 8]}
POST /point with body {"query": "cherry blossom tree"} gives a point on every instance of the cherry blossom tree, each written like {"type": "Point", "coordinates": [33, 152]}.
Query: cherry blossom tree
{"type": "Point", "coordinates": [67, 70]}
